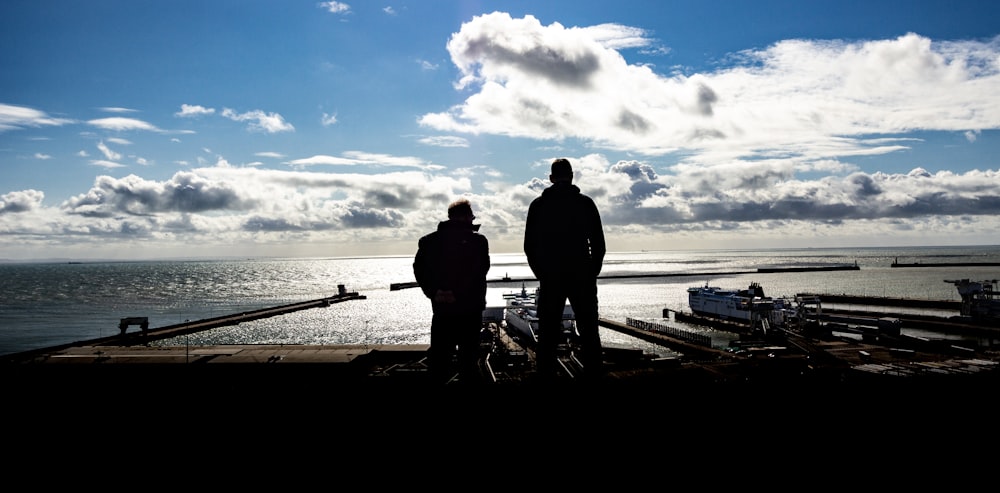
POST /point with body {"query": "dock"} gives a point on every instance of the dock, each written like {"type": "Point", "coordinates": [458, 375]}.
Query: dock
{"type": "Point", "coordinates": [886, 301]}
{"type": "Point", "coordinates": [127, 374]}
{"type": "Point", "coordinates": [396, 286]}
{"type": "Point", "coordinates": [945, 264]}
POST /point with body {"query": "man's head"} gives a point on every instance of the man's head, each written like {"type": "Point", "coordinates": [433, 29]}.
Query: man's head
{"type": "Point", "coordinates": [561, 171]}
{"type": "Point", "coordinates": [460, 209]}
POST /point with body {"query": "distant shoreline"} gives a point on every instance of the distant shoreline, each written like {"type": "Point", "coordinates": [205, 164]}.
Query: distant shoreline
{"type": "Point", "coordinates": [76, 260]}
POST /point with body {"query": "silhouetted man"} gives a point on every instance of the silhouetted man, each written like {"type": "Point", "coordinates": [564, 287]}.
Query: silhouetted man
{"type": "Point", "coordinates": [564, 243]}
{"type": "Point", "coordinates": [450, 266]}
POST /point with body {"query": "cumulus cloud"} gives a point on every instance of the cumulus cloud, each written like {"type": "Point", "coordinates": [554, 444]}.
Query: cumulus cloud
{"type": "Point", "coordinates": [21, 201]}
{"type": "Point", "coordinates": [226, 200]}
{"type": "Point", "coordinates": [741, 194]}
{"type": "Point", "coordinates": [185, 192]}
{"type": "Point", "coordinates": [767, 147]}
{"type": "Point", "coordinates": [635, 198]}
{"type": "Point", "coordinates": [800, 98]}
{"type": "Point", "coordinates": [260, 121]}
{"type": "Point", "coordinates": [192, 110]}
{"type": "Point", "coordinates": [335, 7]}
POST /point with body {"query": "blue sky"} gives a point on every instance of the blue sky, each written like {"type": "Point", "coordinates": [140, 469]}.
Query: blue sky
{"type": "Point", "coordinates": [162, 129]}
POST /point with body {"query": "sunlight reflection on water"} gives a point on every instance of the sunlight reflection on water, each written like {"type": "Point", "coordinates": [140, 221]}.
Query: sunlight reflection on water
{"type": "Point", "coordinates": [47, 304]}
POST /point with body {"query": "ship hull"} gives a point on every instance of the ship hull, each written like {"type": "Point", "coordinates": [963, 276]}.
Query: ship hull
{"type": "Point", "coordinates": [743, 306]}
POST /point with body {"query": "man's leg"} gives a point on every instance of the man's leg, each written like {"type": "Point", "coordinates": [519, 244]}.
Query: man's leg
{"type": "Point", "coordinates": [468, 348]}
{"type": "Point", "coordinates": [551, 303]}
{"type": "Point", "coordinates": [442, 348]}
{"type": "Point", "coordinates": [584, 301]}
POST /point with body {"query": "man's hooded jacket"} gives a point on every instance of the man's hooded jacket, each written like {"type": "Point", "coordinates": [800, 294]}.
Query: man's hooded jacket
{"type": "Point", "coordinates": [454, 258]}
{"type": "Point", "coordinates": [563, 234]}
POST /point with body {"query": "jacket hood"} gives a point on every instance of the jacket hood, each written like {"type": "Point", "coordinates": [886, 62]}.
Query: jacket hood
{"type": "Point", "coordinates": [453, 225]}
{"type": "Point", "coordinates": [561, 189]}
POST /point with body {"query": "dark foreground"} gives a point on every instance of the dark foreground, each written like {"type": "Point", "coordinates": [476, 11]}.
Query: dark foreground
{"type": "Point", "coordinates": [859, 381]}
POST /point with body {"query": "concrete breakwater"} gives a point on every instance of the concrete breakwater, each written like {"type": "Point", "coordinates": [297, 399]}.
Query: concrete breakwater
{"type": "Point", "coordinates": [946, 264]}
{"type": "Point", "coordinates": [151, 334]}
{"type": "Point", "coordinates": [885, 301]}
{"type": "Point", "coordinates": [768, 270]}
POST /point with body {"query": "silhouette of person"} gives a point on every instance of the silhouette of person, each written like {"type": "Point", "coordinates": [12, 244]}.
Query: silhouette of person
{"type": "Point", "coordinates": [564, 244]}
{"type": "Point", "coordinates": [450, 266]}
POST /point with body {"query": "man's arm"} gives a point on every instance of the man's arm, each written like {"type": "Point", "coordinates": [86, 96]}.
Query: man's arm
{"type": "Point", "coordinates": [531, 239]}
{"type": "Point", "coordinates": [598, 247]}
{"type": "Point", "coordinates": [485, 255]}
{"type": "Point", "coordinates": [421, 269]}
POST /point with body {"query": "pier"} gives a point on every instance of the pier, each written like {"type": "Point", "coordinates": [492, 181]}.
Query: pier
{"type": "Point", "coordinates": [147, 334]}
{"type": "Point", "coordinates": [897, 263]}
{"type": "Point", "coordinates": [396, 286]}
{"type": "Point", "coordinates": [125, 365]}
{"type": "Point", "coordinates": [886, 301]}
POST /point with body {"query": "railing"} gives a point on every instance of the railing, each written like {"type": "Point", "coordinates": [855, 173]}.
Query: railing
{"type": "Point", "coordinates": [682, 334]}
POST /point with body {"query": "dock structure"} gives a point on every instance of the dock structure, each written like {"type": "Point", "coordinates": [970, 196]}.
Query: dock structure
{"type": "Point", "coordinates": [126, 363]}
{"type": "Point", "coordinates": [885, 301]}
{"type": "Point", "coordinates": [147, 334]}
{"type": "Point", "coordinates": [896, 263]}
{"type": "Point", "coordinates": [396, 286]}
{"type": "Point", "coordinates": [191, 327]}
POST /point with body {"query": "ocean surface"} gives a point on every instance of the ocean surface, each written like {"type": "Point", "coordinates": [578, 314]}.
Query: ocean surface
{"type": "Point", "coordinates": [44, 304]}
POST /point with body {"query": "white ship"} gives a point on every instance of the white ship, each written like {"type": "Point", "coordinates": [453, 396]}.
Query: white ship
{"type": "Point", "coordinates": [746, 306]}
{"type": "Point", "coordinates": [521, 316]}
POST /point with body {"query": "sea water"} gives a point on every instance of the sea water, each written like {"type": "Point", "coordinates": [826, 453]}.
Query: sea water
{"type": "Point", "coordinates": [44, 304]}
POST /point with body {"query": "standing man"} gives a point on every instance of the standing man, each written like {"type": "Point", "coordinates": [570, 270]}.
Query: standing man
{"type": "Point", "coordinates": [564, 243]}
{"type": "Point", "coordinates": [450, 267]}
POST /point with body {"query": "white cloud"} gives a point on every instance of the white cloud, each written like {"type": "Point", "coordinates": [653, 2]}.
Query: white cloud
{"type": "Point", "coordinates": [191, 110]}
{"type": "Point", "coordinates": [103, 163]}
{"type": "Point", "coordinates": [445, 141]}
{"type": "Point", "coordinates": [108, 153]}
{"type": "Point", "coordinates": [801, 99]}
{"type": "Point", "coordinates": [260, 121]}
{"type": "Point", "coordinates": [19, 117]}
{"type": "Point", "coordinates": [21, 201]}
{"type": "Point", "coordinates": [359, 158]}
{"type": "Point", "coordinates": [335, 7]}
{"type": "Point", "coordinates": [121, 124]}
{"type": "Point", "coordinates": [276, 155]}
{"type": "Point", "coordinates": [116, 109]}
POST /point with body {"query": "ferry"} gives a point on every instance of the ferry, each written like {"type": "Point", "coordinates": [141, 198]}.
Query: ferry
{"type": "Point", "coordinates": [745, 306]}
{"type": "Point", "coordinates": [521, 316]}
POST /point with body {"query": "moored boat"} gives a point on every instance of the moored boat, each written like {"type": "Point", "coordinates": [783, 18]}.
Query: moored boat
{"type": "Point", "coordinates": [521, 316]}
{"type": "Point", "coordinates": [980, 299]}
{"type": "Point", "coordinates": [746, 306]}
